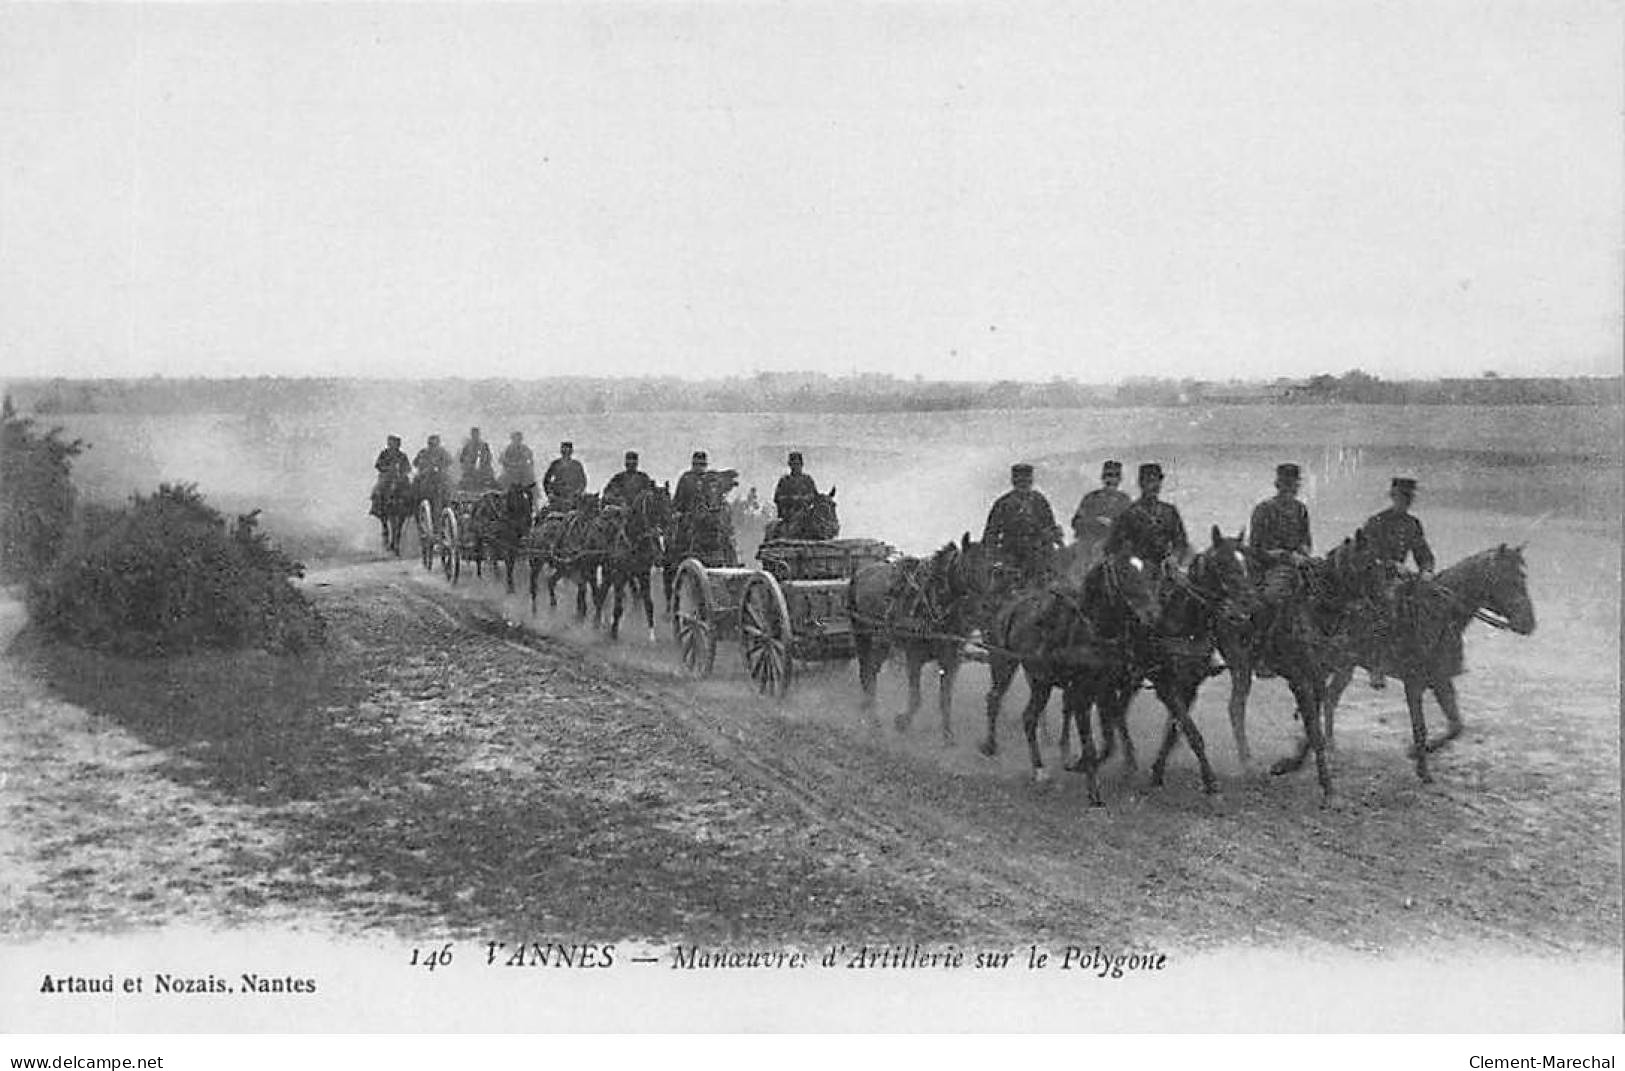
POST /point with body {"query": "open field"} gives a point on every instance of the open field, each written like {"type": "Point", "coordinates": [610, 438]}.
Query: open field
{"type": "Point", "coordinates": [451, 765]}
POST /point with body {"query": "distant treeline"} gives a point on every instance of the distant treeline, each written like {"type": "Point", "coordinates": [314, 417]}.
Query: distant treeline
{"type": "Point", "coordinates": [782, 391]}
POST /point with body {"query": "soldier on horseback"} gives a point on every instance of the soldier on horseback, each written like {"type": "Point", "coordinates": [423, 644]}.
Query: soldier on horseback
{"type": "Point", "coordinates": [1279, 537]}
{"type": "Point", "coordinates": [1150, 528]}
{"type": "Point", "coordinates": [1396, 534]}
{"type": "Point", "coordinates": [433, 463]}
{"type": "Point", "coordinates": [518, 463]}
{"type": "Point", "coordinates": [392, 464]}
{"type": "Point", "coordinates": [1021, 531]}
{"type": "Point", "coordinates": [795, 491]}
{"type": "Point", "coordinates": [1092, 522]}
{"type": "Point", "coordinates": [475, 459]}
{"type": "Point", "coordinates": [565, 479]}
{"type": "Point", "coordinates": [687, 495]}
{"type": "Point", "coordinates": [625, 486]}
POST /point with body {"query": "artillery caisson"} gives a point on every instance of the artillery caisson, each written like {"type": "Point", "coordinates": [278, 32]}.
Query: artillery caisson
{"type": "Point", "coordinates": [792, 609]}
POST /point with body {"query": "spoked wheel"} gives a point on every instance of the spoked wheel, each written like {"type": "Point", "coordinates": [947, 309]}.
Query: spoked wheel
{"type": "Point", "coordinates": [765, 636]}
{"type": "Point", "coordinates": [426, 534]}
{"type": "Point", "coordinates": [451, 558]}
{"type": "Point", "coordinates": [693, 619]}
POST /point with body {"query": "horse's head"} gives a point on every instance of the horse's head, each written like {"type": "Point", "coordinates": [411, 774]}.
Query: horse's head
{"type": "Point", "coordinates": [821, 520]}
{"type": "Point", "coordinates": [1123, 584]}
{"type": "Point", "coordinates": [1504, 589]}
{"type": "Point", "coordinates": [1355, 570]}
{"type": "Point", "coordinates": [1221, 576]}
{"type": "Point", "coordinates": [518, 503]}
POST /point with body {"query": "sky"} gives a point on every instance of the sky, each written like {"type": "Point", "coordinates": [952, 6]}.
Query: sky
{"type": "Point", "coordinates": [955, 191]}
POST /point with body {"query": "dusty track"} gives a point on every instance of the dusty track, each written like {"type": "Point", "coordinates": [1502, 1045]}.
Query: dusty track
{"type": "Point", "coordinates": [442, 768]}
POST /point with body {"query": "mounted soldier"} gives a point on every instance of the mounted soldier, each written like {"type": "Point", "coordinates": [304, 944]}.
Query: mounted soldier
{"type": "Point", "coordinates": [795, 491]}
{"type": "Point", "coordinates": [394, 468]}
{"type": "Point", "coordinates": [687, 495]}
{"type": "Point", "coordinates": [433, 463]}
{"type": "Point", "coordinates": [1150, 528]}
{"type": "Point", "coordinates": [1021, 533]}
{"type": "Point", "coordinates": [475, 459]}
{"type": "Point", "coordinates": [518, 463]}
{"type": "Point", "coordinates": [1279, 537]}
{"type": "Point", "coordinates": [565, 480]}
{"type": "Point", "coordinates": [1396, 534]}
{"type": "Point", "coordinates": [1092, 522]}
{"type": "Point", "coordinates": [625, 486]}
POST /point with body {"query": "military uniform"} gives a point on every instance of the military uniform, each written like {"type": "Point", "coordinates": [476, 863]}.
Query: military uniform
{"type": "Point", "coordinates": [432, 460]}
{"type": "Point", "coordinates": [392, 461]}
{"type": "Point", "coordinates": [794, 491]}
{"type": "Point", "coordinates": [1020, 530]}
{"type": "Point", "coordinates": [518, 465]}
{"type": "Point", "coordinates": [1394, 535]}
{"type": "Point", "coordinates": [1100, 508]}
{"type": "Point", "coordinates": [688, 493]}
{"type": "Point", "coordinates": [565, 480]}
{"type": "Point", "coordinates": [1149, 529]}
{"type": "Point", "coordinates": [1279, 528]}
{"type": "Point", "coordinates": [475, 458]}
{"type": "Point", "coordinates": [625, 486]}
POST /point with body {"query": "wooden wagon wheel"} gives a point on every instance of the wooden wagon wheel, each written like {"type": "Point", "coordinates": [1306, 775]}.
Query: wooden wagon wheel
{"type": "Point", "coordinates": [451, 553]}
{"type": "Point", "coordinates": [693, 618]}
{"type": "Point", "coordinates": [765, 635]}
{"type": "Point", "coordinates": [426, 533]}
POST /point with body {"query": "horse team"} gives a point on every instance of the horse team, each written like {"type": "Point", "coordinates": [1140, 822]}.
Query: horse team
{"type": "Point", "coordinates": [1097, 634]}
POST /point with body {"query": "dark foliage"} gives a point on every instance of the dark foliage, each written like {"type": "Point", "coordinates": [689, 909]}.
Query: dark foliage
{"type": "Point", "coordinates": [166, 575]}
{"type": "Point", "coordinates": [36, 494]}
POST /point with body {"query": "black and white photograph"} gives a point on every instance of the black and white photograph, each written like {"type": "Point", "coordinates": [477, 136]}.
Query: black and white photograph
{"type": "Point", "coordinates": [695, 517]}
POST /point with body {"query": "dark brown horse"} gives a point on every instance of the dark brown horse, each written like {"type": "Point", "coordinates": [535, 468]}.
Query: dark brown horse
{"type": "Point", "coordinates": [1415, 634]}
{"type": "Point", "coordinates": [925, 607]}
{"type": "Point", "coordinates": [1053, 634]}
{"type": "Point", "coordinates": [816, 520]}
{"type": "Point", "coordinates": [1304, 644]}
{"type": "Point", "coordinates": [567, 546]}
{"type": "Point", "coordinates": [501, 520]}
{"type": "Point", "coordinates": [393, 502]}
{"type": "Point", "coordinates": [1175, 656]}
{"type": "Point", "coordinates": [636, 544]}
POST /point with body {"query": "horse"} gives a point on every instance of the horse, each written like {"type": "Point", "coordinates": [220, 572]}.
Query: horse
{"type": "Point", "coordinates": [1053, 634]}
{"type": "Point", "coordinates": [816, 520]}
{"type": "Point", "coordinates": [704, 532]}
{"type": "Point", "coordinates": [925, 606]}
{"type": "Point", "coordinates": [393, 502]}
{"type": "Point", "coordinates": [1418, 637]}
{"type": "Point", "coordinates": [501, 520]}
{"type": "Point", "coordinates": [1217, 591]}
{"type": "Point", "coordinates": [568, 546]}
{"type": "Point", "coordinates": [636, 545]}
{"type": "Point", "coordinates": [1303, 644]}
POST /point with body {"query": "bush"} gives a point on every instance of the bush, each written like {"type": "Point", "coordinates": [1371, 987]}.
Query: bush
{"type": "Point", "coordinates": [164, 575]}
{"type": "Point", "coordinates": [36, 494]}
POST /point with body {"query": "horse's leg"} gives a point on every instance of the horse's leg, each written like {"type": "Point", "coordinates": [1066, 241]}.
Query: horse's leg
{"type": "Point", "coordinates": [913, 663]}
{"type": "Point", "coordinates": [866, 647]}
{"type": "Point", "coordinates": [1444, 690]}
{"type": "Point", "coordinates": [1241, 685]}
{"type": "Point", "coordinates": [1415, 689]}
{"type": "Point", "coordinates": [1309, 689]}
{"type": "Point", "coordinates": [646, 588]}
{"type": "Point", "coordinates": [618, 585]}
{"type": "Point", "coordinates": [535, 566]}
{"type": "Point", "coordinates": [1120, 694]}
{"type": "Point", "coordinates": [1170, 737]}
{"type": "Point", "coordinates": [1039, 689]}
{"type": "Point", "coordinates": [948, 666]}
{"type": "Point", "coordinates": [1001, 671]}
{"type": "Point", "coordinates": [1341, 677]}
{"type": "Point", "coordinates": [1076, 699]}
{"type": "Point", "coordinates": [1178, 694]}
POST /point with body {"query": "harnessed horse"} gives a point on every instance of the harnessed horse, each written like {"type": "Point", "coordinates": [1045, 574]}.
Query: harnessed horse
{"type": "Point", "coordinates": [567, 545]}
{"type": "Point", "coordinates": [1053, 635]}
{"type": "Point", "coordinates": [392, 503]}
{"type": "Point", "coordinates": [501, 521]}
{"type": "Point", "coordinates": [924, 606]}
{"type": "Point", "coordinates": [703, 532]}
{"type": "Point", "coordinates": [1418, 637]}
{"type": "Point", "coordinates": [636, 544]}
{"type": "Point", "coordinates": [1303, 644]}
{"type": "Point", "coordinates": [815, 520]}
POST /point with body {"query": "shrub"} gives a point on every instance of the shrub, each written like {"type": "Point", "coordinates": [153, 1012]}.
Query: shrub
{"type": "Point", "coordinates": [165, 575]}
{"type": "Point", "coordinates": [36, 494]}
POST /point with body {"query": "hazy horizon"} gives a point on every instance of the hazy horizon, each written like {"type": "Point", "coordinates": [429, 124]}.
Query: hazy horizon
{"type": "Point", "coordinates": [961, 193]}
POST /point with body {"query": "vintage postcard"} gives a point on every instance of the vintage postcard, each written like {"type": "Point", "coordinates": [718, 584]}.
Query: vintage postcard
{"type": "Point", "coordinates": [711, 517]}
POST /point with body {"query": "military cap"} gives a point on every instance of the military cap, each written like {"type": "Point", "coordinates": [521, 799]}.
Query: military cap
{"type": "Point", "coordinates": [699, 455]}
{"type": "Point", "coordinates": [567, 445]}
{"type": "Point", "coordinates": [795, 455]}
{"type": "Point", "coordinates": [1287, 472]}
{"type": "Point", "coordinates": [1112, 468]}
{"type": "Point", "coordinates": [396, 439]}
{"type": "Point", "coordinates": [473, 431]}
{"type": "Point", "coordinates": [1405, 484]}
{"type": "Point", "coordinates": [433, 439]}
{"type": "Point", "coordinates": [1150, 471]}
{"type": "Point", "coordinates": [1021, 468]}
{"type": "Point", "coordinates": [631, 455]}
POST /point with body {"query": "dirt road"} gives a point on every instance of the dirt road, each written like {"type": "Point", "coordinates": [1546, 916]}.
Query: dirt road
{"type": "Point", "coordinates": [443, 769]}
